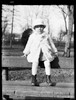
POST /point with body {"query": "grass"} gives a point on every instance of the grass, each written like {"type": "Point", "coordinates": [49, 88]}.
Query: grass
{"type": "Point", "coordinates": [57, 76]}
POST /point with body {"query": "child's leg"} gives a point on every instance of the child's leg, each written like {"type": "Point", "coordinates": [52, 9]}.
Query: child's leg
{"type": "Point", "coordinates": [34, 74]}
{"type": "Point", "coordinates": [48, 73]}
{"type": "Point", "coordinates": [47, 67]}
{"type": "Point", "coordinates": [34, 68]}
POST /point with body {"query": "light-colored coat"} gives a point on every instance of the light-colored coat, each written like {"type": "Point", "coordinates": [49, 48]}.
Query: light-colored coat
{"type": "Point", "coordinates": [37, 42]}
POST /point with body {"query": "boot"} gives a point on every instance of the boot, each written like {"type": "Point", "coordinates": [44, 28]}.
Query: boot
{"type": "Point", "coordinates": [34, 81]}
{"type": "Point", "coordinates": [48, 80]}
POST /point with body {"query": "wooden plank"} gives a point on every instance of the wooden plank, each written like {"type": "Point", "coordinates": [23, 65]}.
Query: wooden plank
{"type": "Point", "coordinates": [24, 88]}
{"type": "Point", "coordinates": [15, 62]}
{"type": "Point", "coordinates": [18, 61]}
{"type": "Point", "coordinates": [29, 83]}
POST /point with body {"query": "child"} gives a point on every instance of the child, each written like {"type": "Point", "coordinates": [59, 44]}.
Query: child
{"type": "Point", "coordinates": [40, 47]}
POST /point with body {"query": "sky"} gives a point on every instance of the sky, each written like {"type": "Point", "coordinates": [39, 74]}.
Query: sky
{"type": "Point", "coordinates": [56, 19]}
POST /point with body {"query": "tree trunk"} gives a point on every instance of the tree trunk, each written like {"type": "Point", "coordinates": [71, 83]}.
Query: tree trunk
{"type": "Point", "coordinates": [12, 27]}
{"type": "Point", "coordinates": [69, 32]}
{"type": "Point", "coordinates": [65, 21]}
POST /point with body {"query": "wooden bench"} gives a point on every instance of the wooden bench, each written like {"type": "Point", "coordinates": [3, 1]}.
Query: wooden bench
{"type": "Point", "coordinates": [23, 89]}
{"type": "Point", "coordinates": [13, 63]}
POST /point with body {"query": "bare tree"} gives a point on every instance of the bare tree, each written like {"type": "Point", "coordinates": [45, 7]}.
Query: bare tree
{"type": "Point", "coordinates": [70, 28]}
{"type": "Point", "coordinates": [13, 11]}
{"type": "Point", "coordinates": [9, 12]}
{"type": "Point", "coordinates": [5, 22]}
{"type": "Point", "coordinates": [70, 14]}
{"type": "Point", "coordinates": [64, 16]}
{"type": "Point", "coordinates": [4, 25]}
{"type": "Point", "coordinates": [5, 18]}
{"type": "Point", "coordinates": [12, 27]}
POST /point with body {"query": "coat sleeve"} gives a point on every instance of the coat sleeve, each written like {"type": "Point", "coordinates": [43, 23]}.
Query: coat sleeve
{"type": "Point", "coordinates": [53, 45]}
{"type": "Point", "coordinates": [26, 50]}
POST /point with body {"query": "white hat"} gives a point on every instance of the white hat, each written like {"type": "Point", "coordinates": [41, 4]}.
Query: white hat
{"type": "Point", "coordinates": [38, 22]}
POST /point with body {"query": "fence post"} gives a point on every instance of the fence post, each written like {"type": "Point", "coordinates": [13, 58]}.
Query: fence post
{"type": "Point", "coordinates": [5, 74]}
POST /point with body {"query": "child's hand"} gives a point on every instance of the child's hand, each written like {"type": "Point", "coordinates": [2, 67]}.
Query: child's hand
{"type": "Point", "coordinates": [23, 55]}
{"type": "Point", "coordinates": [56, 53]}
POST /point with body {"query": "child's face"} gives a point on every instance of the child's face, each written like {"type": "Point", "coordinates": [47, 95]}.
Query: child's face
{"type": "Point", "coordinates": [39, 29]}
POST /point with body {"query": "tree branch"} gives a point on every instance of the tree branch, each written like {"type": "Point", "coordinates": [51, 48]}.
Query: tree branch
{"type": "Point", "coordinates": [62, 9]}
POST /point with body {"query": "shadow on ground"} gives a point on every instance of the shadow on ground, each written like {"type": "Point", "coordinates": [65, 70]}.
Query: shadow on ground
{"type": "Point", "coordinates": [46, 98]}
{"type": "Point", "coordinates": [39, 98]}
